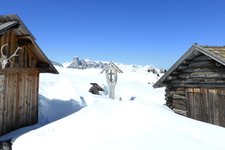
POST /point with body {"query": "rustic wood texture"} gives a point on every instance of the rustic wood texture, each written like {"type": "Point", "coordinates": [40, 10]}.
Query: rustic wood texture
{"type": "Point", "coordinates": [19, 97]}
{"type": "Point", "coordinates": [26, 58]}
{"type": "Point", "coordinates": [176, 99]}
{"type": "Point", "coordinates": [197, 89]}
{"type": "Point", "coordinates": [207, 105]}
{"type": "Point", "coordinates": [201, 71]}
{"type": "Point", "coordinates": [21, 104]}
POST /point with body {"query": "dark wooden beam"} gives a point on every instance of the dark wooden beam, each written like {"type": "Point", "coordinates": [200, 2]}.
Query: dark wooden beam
{"type": "Point", "coordinates": [24, 42]}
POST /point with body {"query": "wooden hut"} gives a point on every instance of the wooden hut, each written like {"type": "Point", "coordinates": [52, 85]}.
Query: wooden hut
{"type": "Point", "coordinates": [195, 84]}
{"type": "Point", "coordinates": [21, 62]}
{"type": "Point", "coordinates": [95, 89]}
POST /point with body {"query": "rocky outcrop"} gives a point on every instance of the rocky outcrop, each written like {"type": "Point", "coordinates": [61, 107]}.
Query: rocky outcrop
{"type": "Point", "coordinates": [84, 64]}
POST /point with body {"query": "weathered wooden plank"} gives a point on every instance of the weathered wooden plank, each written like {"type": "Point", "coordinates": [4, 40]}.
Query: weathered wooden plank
{"type": "Point", "coordinates": [18, 98]}
{"type": "Point", "coordinates": [36, 97]}
{"type": "Point", "coordinates": [10, 102]}
{"type": "Point", "coordinates": [198, 81]}
{"type": "Point", "coordinates": [21, 59]}
{"type": "Point", "coordinates": [210, 106]}
{"type": "Point", "coordinates": [175, 91]}
{"type": "Point", "coordinates": [194, 103]}
{"type": "Point", "coordinates": [198, 108]}
{"type": "Point", "coordinates": [202, 63]}
{"type": "Point", "coordinates": [182, 67]}
{"type": "Point", "coordinates": [204, 69]}
{"type": "Point", "coordinates": [13, 102]}
{"type": "Point", "coordinates": [10, 47]}
{"type": "Point", "coordinates": [179, 106]}
{"type": "Point", "coordinates": [26, 109]}
{"type": "Point", "coordinates": [181, 112]}
{"type": "Point", "coordinates": [21, 101]}
{"type": "Point", "coordinates": [201, 58]}
{"type": "Point", "coordinates": [29, 60]}
{"type": "Point", "coordinates": [215, 109]}
{"type": "Point", "coordinates": [181, 102]}
{"type": "Point", "coordinates": [34, 59]}
{"type": "Point", "coordinates": [7, 51]}
{"type": "Point", "coordinates": [202, 75]}
{"type": "Point", "coordinates": [176, 96]}
{"type": "Point", "coordinates": [25, 98]}
{"type": "Point", "coordinates": [5, 108]}
{"type": "Point", "coordinates": [7, 104]}
{"type": "Point", "coordinates": [205, 105]}
{"type": "Point", "coordinates": [26, 58]}
{"type": "Point", "coordinates": [2, 88]}
{"type": "Point", "coordinates": [29, 98]}
{"type": "Point", "coordinates": [189, 85]}
{"type": "Point", "coordinates": [222, 109]}
{"type": "Point", "coordinates": [186, 62]}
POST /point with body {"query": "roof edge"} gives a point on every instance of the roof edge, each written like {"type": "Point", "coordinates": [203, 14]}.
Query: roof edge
{"type": "Point", "coordinates": [52, 68]}
{"type": "Point", "coordinates": [111, 64]}
{"type": "Point", "coordinates": [14, 17]}
{"type": "Point", "coordinates": [171, 69]}
{"type": "Point", "coordinates": [210, 54]}
{"type": "Point", "coordinates": [7, 26]}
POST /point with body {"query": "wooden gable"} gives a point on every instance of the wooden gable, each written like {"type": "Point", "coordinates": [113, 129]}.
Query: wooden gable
{"type": "Point", "coordinates": [14, 33]}
{"type": "Point", "coordinates": [214, 53]}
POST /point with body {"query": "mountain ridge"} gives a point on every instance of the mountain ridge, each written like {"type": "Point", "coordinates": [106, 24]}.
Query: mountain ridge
{"type": "Point", "coordinates": [78, 63]}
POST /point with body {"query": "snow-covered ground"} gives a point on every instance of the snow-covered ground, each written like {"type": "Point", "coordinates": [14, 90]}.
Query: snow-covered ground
{"type": "Point", "coordinates": [105, 124]}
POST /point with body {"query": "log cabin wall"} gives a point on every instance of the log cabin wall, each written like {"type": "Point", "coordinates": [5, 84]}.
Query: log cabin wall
{"type": "Point", "coordinates": [19, 98]}
{"type": "Point", "coordinates": [198, 71]}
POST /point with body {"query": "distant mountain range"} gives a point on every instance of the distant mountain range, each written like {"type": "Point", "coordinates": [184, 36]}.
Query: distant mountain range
{"type": "Point", "coordinates": [78, 63]}
{"type": "Point", "coordinates": [85, 64]}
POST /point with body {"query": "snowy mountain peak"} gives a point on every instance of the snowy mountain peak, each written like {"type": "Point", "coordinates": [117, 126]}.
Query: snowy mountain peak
{"type": "Point", "coordinates": [85, 63]}
{"type": "Point", "coordinates": [78, 63]}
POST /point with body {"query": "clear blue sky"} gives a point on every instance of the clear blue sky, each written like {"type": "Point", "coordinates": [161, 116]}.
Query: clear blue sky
{"type": "Point", "coordinates": [141, 32]}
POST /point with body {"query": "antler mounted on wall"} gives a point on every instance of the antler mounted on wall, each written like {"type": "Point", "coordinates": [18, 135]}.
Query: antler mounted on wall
{"type": "Point", "coordinates": [4, 60]}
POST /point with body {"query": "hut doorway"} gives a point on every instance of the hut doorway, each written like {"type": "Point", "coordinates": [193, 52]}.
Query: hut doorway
{"type": "Point", "coordinates": [206, 105]}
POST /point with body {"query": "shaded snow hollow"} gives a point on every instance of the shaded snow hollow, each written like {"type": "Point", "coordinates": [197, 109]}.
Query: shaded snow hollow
{"type": "Point", "coordinates": [105, 124]}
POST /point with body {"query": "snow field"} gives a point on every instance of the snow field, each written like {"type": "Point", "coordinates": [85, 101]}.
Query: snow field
{"type": "Point", "coordinates": [106, 124]}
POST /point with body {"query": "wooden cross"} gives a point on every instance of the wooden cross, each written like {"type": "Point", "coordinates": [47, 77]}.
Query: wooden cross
{"type": "Point", "coordinates": [111, 77]}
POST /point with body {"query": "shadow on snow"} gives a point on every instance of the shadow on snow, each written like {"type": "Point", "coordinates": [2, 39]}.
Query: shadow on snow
{"type": "Point", "coordinates": [50, 110]}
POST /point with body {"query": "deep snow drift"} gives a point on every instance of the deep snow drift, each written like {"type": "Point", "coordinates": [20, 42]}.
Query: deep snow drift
{"type": "Point", "coordinates": [142, 124]}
